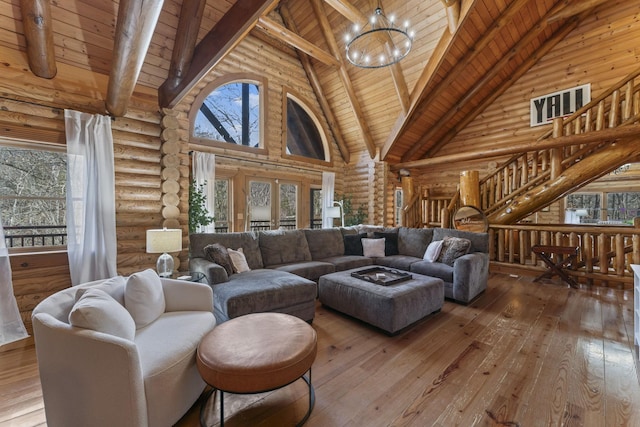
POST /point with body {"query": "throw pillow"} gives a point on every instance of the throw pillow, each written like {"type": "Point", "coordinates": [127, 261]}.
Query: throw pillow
{"type": "Point", "coordinates": [238, 260]}
{"type": "Point", "coordinates": [390, 242]}
{"type": "Point", "coordinates": [113, 286]}
{"type": "Point", "coordinates": [144, 297]}
{"type": "Point", "coordinates": [373, 248]}
{"type": "Point", "coordinates": [452, 248]}
{"type": "Point", "coordinates": [220, 255]}
{"type": "Point", "coordinates": [98, 311]}
{"type": "Point", "coordinates": [353, 244]}
{"type": "Point", "coordinates": [433, 251]}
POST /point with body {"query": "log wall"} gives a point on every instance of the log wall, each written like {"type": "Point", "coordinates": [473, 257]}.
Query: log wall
{"type": "Point", "coordinates": [601, 51]}
{"type": "Point", "coordinates": [32, 109]}
{"type": "Point", "coordinates": [254, 58]}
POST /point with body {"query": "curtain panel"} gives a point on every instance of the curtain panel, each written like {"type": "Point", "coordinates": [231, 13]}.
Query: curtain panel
{"type": "Point", "coordinates": [91, 214]}
{"type": "Point", "coordinates": [204, 176]}
{"type": "Point", "coordinates": [11, 325]}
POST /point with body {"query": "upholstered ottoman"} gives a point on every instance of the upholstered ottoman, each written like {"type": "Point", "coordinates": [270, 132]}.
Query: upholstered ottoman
{"type": "Point", "coordinates": [390, 308]}
{"type": "Point", "coordinates": [256, 353]}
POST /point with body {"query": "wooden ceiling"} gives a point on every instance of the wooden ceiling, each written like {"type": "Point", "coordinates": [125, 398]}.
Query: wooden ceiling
{"type": "Point", "coordinates": [466, 53]}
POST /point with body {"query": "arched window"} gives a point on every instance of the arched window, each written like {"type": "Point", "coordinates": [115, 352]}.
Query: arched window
{"type": "Point", "coordinates": [231, 113]}
{"type": "Point", "coordinates": [305, 136]}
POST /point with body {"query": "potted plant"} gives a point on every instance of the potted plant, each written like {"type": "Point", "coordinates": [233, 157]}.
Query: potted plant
{"type": "Point", "coordinates": [198, 213]}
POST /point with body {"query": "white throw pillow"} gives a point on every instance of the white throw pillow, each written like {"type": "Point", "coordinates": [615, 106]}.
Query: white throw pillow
{"type": "Point", "coordinates": [373, 248]}
{"type": "Point", "coordinates": [98, 311]}
{"type": "Point", "coordinates": [113, 286]}
{"type": "Point", "coordinates": [238, 260]}
{"type": "Point", "coordinates": [433, 251]}
{"type": "Point", "coordinates": [144, 297]}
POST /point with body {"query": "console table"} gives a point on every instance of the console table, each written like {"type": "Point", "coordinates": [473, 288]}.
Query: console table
{"type": "Point", "coordinates": [564, 256]}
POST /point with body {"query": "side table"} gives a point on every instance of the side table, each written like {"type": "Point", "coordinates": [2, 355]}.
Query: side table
{"type": "Point", "coordinates": [190, 276]}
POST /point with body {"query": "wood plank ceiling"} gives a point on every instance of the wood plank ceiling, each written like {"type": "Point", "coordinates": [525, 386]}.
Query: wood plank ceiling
{"type": "Point", "coordinates": [465, 54]}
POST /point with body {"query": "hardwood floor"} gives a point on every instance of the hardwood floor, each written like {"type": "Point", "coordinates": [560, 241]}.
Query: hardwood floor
{"type": "Point", "coordinates": [523, 354]}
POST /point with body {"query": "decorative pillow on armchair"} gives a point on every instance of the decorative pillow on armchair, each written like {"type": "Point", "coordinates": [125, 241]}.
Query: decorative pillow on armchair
{"type": "Point", "coordinates": [144, 297]}
{"type": "Point", "coordinates": [220, 255]}
{"type": "Point", "coordinates": [453, 248]}
{"type": "Point", "coordinates": [98, 311]}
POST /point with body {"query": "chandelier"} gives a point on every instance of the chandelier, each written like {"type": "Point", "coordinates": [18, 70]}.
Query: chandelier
{"type": "Point", "coordinates": [379, 42]}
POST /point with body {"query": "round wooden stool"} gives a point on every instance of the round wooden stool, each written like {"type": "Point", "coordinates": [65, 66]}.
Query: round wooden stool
{"type": "Point", "coordinates": [256, 353]}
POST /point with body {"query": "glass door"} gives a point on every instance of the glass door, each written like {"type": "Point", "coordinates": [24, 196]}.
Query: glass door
{"type": "Point", "coordinates": [269, 209]}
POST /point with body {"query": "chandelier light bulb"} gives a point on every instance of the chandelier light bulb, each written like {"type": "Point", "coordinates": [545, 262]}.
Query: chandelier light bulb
{"type": "Point", "coordinates": [392, 18]}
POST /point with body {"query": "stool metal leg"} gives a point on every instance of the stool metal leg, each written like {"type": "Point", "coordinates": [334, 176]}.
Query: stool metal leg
{"type": "Point", "coordinates": [312, 399]}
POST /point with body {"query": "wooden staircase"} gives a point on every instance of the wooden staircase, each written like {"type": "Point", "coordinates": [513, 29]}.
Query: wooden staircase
{"type": "Point", "coordinates": [580, 148]}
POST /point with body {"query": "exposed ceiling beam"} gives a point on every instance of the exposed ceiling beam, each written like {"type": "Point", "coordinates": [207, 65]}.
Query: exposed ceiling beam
{"type": "Point", "coordinates": [472, 53]}
{"type": "Point", "coordinates": [575, 8]}
{"type": "Point", "coordinates": [452, 8]}
{"type": "Point", "coordinates": [279, 32]}
{"type": "Point", "coordinates": [136, 21]}
{"type": "Point", "coordinates": [38, 32]}
{"type": "Point", "coordinates": [549, 44]}
{"type": "Point", "coordinates": [317, 88]}
{"type": "Point", "coordinates": [191, 14]}
{"type": "Point", "coordinates": [496, 69]}
{"type": "Point", "coordinates": [347, 10]}
{"type": "Point", "coordinates": [608, 134]}
{"type": "Point", "coordinates": [318, 8]}
{"type": "Point", "coordinates": [223, 37]}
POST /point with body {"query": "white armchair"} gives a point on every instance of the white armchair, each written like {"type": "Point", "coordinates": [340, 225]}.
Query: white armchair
{"type": "Point", "coordinates": [92, 378]}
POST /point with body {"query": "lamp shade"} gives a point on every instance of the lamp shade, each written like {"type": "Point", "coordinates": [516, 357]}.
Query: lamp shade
{"type": "Point", "coordinates": [333, 212]}
{"type": "Point", "coordinates": [164, 240]}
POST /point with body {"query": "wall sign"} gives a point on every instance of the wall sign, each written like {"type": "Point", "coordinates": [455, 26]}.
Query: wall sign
{"type": "Point", "coordinates": [558, 104]}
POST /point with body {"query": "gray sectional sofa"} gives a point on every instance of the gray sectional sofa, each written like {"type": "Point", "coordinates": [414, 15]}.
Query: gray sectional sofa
{"type": "Point", "coordinates": [287, 264]}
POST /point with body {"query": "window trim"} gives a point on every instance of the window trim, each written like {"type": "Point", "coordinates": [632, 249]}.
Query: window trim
{"type": "Point", "coordinates": [328, 158]}
{"type": "Point", "coordinates": [262, 119]}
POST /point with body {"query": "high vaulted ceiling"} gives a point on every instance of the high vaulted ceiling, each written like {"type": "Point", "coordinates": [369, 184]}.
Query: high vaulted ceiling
{"type": "Point", "coordinates": [465, 54]}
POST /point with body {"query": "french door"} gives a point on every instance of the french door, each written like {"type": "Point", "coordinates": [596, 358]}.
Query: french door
{"type": "Point", "coordinates": [272, 204]}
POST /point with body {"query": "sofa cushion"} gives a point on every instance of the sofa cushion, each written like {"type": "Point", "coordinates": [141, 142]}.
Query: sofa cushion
{"type": "Point", "coordinates": [347, 262]}
{"type": "Point", "coordinates": [324, 242]}
{"type": "Point", "coordinates": [414, 241]}
{"type": "Point", "coordinates": [400, 262]}
{"type": "Point", "coordinates": [220, 255]}
{"type": "Point", "coordinates": [283, 247]}
{"type": "Point", "coordinates": [353, 244]}
{"type": "Point", "coordinates": [452, 249]}
{"type": "Point", "coordinates": [98, 311]}
{"type": "Point", "coordinates": [248, 241]}
{"type": "Point", "coordinates": [373, 248]}
{"type": "Point", "coordinates": [433, 251]}
{"type": "Point", "coordinates": [479, 241]}
{"type": "Point", "coordinates": [433, 269]}
{"type": "Point", "coordinates": [390, 241]}
{"type": "Point", "coordinates": [238, 260]}
{"type": "Point", "coordinates": [144, 297]}
{"type": "Point", "coordinates": [311, 270]}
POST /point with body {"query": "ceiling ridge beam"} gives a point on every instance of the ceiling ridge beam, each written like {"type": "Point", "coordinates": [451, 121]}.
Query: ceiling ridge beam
{"type": "Point", "coordinates": [567, 11]}
{"type": "Point", "coordinates": [214, 47]}
{"type": "Point", "coordinates": [558, 36]}
{"type": "Point", "coordinates": [136, 22]}
{"type": "Point", "coordinates": [535, 31]}
{"type": "Point", "coordinates": [277, 31]}
{"type": "Point", "coordinates": [38, 32]}
{"type": "Point", "coordinates": [334, 126]}
{"type": "Point", "coordinates": [344, 77]}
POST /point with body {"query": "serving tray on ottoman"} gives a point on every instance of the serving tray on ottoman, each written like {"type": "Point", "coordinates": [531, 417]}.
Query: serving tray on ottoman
{"type": "Point", "coordinates": [382, 275]}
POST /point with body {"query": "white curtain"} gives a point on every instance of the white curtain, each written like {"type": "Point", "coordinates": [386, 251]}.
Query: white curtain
{"type": "Point", "coordinates": [91, 213]}
{"type": "Point", "coordinates": [328, 184]}
{"type": "Point", "coordinates": [11, 326]}
{"type": "Point", "coordinates": [204, 176]}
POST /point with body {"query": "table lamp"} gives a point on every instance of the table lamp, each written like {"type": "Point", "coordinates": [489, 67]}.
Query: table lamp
{"type": "Point", "coordinates": [161, 242]}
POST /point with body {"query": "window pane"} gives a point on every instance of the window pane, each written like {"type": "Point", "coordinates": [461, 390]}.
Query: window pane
{"type": "Point", "coordinates": [222, 205]}
{"type": "Point", "coordinates": [583, 208]}
{"type": "Point", "coordinates": [303, 135]}
{"type": "Point", "coordinates": [623, 207]}
{"type": "Point", "coordinates": [32, 197]}
{"type": "Point", "coordinates": [288, 206]}
{"type": "Point", "coordinates": [316, 208]}
{"type": "Point", "coordinates": [231, 113]}
{"type": "Point", "coordinates": [260, 205]}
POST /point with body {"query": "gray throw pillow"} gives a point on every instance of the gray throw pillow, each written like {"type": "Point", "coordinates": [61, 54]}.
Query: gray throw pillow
{"type": "Point", "coordinates": [219, 254]}
{"type": "Point", "coordinates": [453, 248]}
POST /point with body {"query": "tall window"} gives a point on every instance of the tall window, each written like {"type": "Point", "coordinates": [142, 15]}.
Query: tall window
{"type": "Point", "coordinates": [602, 208]}
{"type": "Point", "coordinates": [222, 205]}
{"type": "Point", "coordinates": [32, 197]}
{"type": "Point", "coordinates": [398, 206]}
{"type": "Point", "coordinates": [231, 114]}
{"type": "Point", "coordinates": [305, 137]}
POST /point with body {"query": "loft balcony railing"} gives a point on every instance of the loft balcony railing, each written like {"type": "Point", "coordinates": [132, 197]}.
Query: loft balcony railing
{"type": "Point", "coordinates": [35, 236]}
